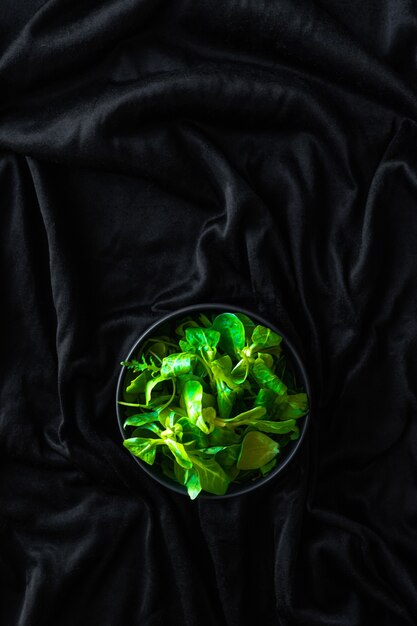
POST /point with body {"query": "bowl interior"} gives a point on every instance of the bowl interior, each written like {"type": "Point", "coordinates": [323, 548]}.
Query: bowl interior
{"type": "Point", "coordinates": [166, 326]}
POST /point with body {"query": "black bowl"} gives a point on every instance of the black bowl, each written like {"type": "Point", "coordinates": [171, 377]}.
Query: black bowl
{"type": "Point", "coordinates": [166, 325]}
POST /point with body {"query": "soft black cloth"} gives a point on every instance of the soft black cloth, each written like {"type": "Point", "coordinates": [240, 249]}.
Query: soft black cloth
{"type": "Point", "coordinates": [160, 154]}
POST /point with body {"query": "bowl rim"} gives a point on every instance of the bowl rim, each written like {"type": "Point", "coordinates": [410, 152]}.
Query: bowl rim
{"type": "Point", "coordinates": [294, 358]}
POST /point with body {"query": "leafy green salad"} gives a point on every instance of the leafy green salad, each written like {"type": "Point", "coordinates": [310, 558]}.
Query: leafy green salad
{"type": "Point", "coordinates": [214, 402]}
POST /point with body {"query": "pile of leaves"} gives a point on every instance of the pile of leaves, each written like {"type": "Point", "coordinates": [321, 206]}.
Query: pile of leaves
{"type": "Point", "coordinates": [214, 403]}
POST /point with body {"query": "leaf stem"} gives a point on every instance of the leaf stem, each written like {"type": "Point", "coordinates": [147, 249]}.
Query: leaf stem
{"type": "Point", "coordinates": [174, 389]}
{"type": "Point", "coordinates": [155, 355]}
{"type": "Point", "coordinates": [167, 343]}
{"type": "Point", "coordinates": [144, 406]}
{"type": "Point", "coordinates": [206, 367]}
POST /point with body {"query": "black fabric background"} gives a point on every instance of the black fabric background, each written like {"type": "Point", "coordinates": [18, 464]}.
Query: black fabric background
{"type": "Point", "coordinates": [160, 154]}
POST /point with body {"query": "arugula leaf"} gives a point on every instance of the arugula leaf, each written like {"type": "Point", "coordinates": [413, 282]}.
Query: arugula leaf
{"type": "Point", "coordinates": [135, 365]}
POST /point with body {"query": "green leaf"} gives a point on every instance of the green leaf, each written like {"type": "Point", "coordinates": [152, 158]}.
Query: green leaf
{"type": "Point", "coordinates": [193, 483]}
{"type": "Point", "coordinates": [248, 416]}
{"type": "Point", "coordinates": [278, 428]}
{"type": "Point", "coordinates": [240, 372]}
{"type": "Point", "coordinates": [176, 364]}
{"type": "Point", "coordinates": [191, 432]}
{"type": "Point", "coordinates": [229, 455]}
{"type": "Point", "coordinates": [266, 398]}
{"type": "Point", "coordinates": [181, 474]}
{"type": "Point", "coordinates": [257, 450]}
{"type": "Point", "coordinates": [224, 364]}
{"type": "Point", "coordinates": [168, 416]}
{"type": "Point", "coordinates": [212, 476]}
{"type": "Point", "coordinates": [225, 399]}
{"type": "Point", "coordinates": [180, 330]}
{"type": "Point", "coordinates": [248, 324]}
{"type": "Point", "coordinates": [295, 435]}
{"type": "Point", "coordinates": [193, 400]}
{"type": "Point", "coordinates": [186, 347]}
{"type": "Point", "coordinates": [204, 320]}
{"type": "Point", "coordinates": [143, 448]}
{"type": "Point", "coordinates": [267, 359]}
{"type": "Point", "coordinates": [202, 338]}
{"type": "Point", "coordinates": [223, 437]}
{"type": "Point", "coordinates": [265, 377]}
{"type": "Point", "coordinates": [179, 452]}
{"type": "Point", "coordinates": [208, 400]}
{"type": "Point", "coordinates": [296, 406]}
{"type": "Point", "coordinates": [222, 370]}
{"type": "Point", "coordinates": [209, 417]}
{"type": "Point", "coordinates": [212, 450]}
{"type": "Point", "coordinates": [265, 469]}
{"type": "Point", "coordinates": [263, 338]}
{"type": "Point", "coordinates": [283, 441]}
{"type": "Point", "coordinates": [232, 333]}
{"type": "Point", "coordinates": [158, 348]}
{"type": "Point", "coordinates": [140, 418]}
{"type": "Point", "coordinates": [146, 429]}
{"type": "Point", "coordinates": [138, 384]}
{"type": "Point", "coordinates": [232, 472]}
{"type": "Point", "coordinates": [151, 384]}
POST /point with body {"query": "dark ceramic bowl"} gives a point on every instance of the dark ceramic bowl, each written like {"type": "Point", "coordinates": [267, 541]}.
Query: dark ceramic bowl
{"type": "Point", "coordinates": [166, 326]}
